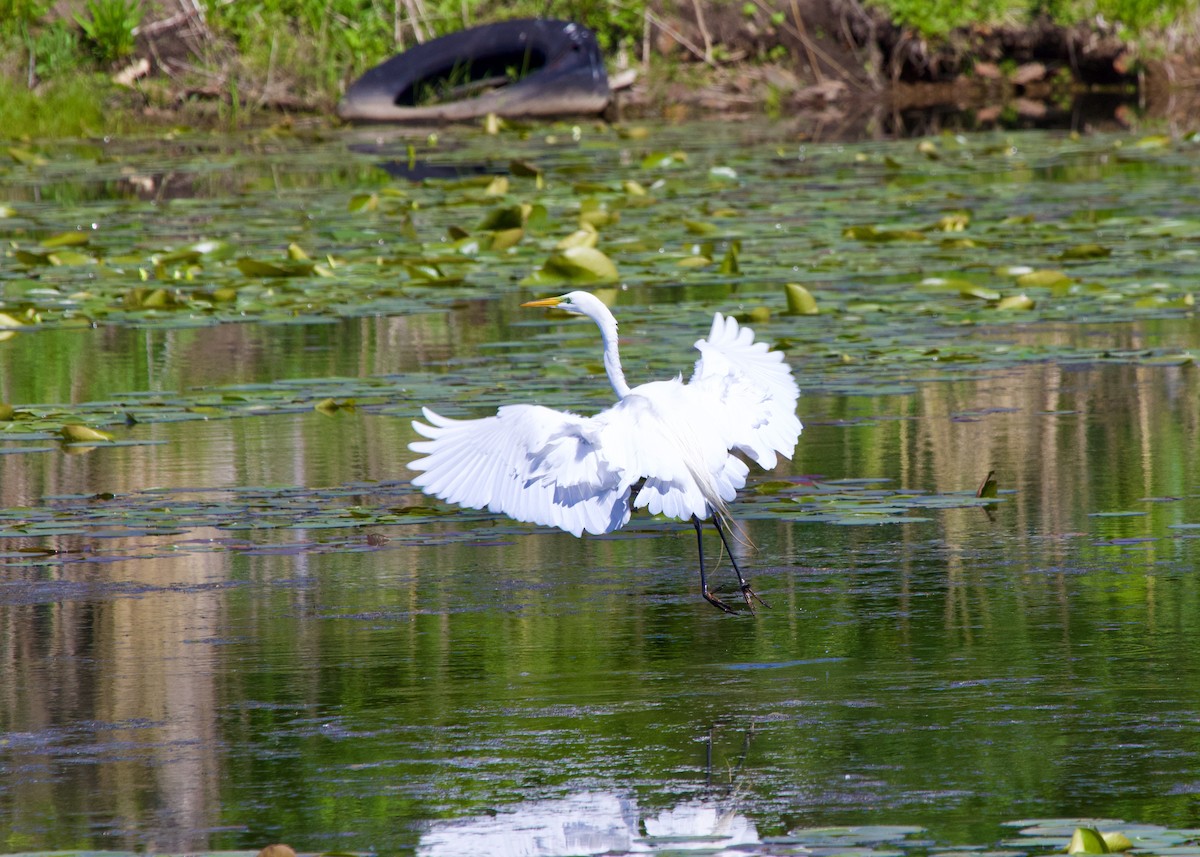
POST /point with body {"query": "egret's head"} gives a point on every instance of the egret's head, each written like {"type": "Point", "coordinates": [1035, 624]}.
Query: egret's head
{"type": "Point", "coordinates": [576, 303]}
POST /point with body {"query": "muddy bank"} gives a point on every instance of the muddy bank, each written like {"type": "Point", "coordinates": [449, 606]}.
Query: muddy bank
{"type": "Point", "coordinates": [841, 70]}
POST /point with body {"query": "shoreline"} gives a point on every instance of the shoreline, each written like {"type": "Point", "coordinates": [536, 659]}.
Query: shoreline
{"type": "Point", "coordinates": [835, 69]}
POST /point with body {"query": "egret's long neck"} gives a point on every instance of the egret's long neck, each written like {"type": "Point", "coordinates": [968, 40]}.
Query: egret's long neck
{"type": "Point", "coordinates": [612, 358]}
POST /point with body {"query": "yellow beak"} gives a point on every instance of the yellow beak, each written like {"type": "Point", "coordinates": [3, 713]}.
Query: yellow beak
{"type": "Point", "coordinates": [544, 302]}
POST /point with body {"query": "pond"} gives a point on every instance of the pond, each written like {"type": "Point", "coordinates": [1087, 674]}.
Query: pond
{"type": "Point", "coordinates": [234, 621]}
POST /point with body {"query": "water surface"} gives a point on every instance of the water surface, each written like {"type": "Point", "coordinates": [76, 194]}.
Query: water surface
{"type": "Point", "coordinates": [205, 643]}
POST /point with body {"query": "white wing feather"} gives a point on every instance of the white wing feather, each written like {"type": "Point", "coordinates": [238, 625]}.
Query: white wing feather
{"type": "Point", "coordinates": [752, 391]}
{"type": "Point", "coordinates": [555, 468]}
{"type": "Point", "coordinates": [531, 463]}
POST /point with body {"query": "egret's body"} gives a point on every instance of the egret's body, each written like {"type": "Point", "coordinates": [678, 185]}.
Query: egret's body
{"type": "Point", "coordinates": [676, 440]}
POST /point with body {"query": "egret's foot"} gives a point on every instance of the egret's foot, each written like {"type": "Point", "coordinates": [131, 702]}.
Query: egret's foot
{"type": "Point", "coordinates": [716, 602]}
{"type": "Point", "coordinates": [749, 594]}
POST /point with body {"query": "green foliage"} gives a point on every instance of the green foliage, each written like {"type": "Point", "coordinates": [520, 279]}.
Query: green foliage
{"type": "Point", "coordinates": [55, 50]}
{"type": "Point", "coordinates": [936, 18]}
{"type": "Point", "coordinates": [66, 107]}
{"type": "Point", "coordinates": [109, 27]}
{"type": "Point", "coordinates": [18, 15]}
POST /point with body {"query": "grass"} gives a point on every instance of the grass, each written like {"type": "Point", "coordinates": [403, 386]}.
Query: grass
{"type": "Point", "coordinates": [938, 18]}
{"type": "Point", "coordinates": [70, 106]}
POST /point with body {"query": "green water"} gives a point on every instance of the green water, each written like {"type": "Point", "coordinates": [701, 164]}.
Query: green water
{"type": "Point", "coordinates": [204, 643]}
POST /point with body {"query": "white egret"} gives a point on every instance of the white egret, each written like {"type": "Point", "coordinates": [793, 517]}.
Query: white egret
{"type": "Point", "coordinates": [665, 446]}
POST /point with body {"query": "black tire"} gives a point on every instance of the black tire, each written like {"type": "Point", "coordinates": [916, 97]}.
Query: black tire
{"type": "Point", "coordinates": [557, 68]}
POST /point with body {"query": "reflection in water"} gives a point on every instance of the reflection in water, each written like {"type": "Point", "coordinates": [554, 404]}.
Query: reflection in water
{"type": "Point", "coordinates": [226, 686]}
{"type": "Point", "coordinates": [587, 823]}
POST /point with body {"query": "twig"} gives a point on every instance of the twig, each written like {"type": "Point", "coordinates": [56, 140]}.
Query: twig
{"type": "Point", "coordinates": [646, 42]}
{"type": "Point", "coordinates": [417, 16]}
{"type": "Point", "coordinates": [815, 48]}
{"type": "Point", "coordinates": [262, 96]}
{"type": "Point", "coordinates": [807, 42]}
{"type": "Point", "coordinates": [708, 54]}
{"type": "Point", "coordinates": [679, 37]}
{"type": "Point", "coordinates": [166, 23]}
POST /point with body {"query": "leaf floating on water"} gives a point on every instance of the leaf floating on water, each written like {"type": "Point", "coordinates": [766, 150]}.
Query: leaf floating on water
{"type": "Point", "coordinates": [1087, 840]}
{"type": "Point", "coordinates": [956, 222]}
{"type": "Point", "coordinates": [800, 300]}
{"type": "Point", "coordinates": [575, 265]}
{"type": "Point", "coordinates": [699, 227]}
{"type": "Point", "coordinates": [143, 298]}
{"type": "Point", "coordinates": [1154, 141]}
{"type": "Point", "coordinates": [729, 262]}
{"type": "Point", "coordinates": [75, 433]}
{"type": "Point", "coordinates": [27, 158]}
{"type": "Point", "coordinates": [981, 292]}
{"type": "Point", "coordinates": [592, 212]}
{"type": "Point", "coordinates": [296, 253]}
{"type": "Point", "coordinates": [207, 250]}
{"type": "Point", "coordinates": [585, 236]}
{"type": "Point", "coordinates": [66, 239]}
{"type": "Point", "coordinates": [504, 217]}
{"type": "Point", "coordinates": [524, 169]}
{"type": "Point", "coordinates": [69, 257]}
{"type": "Point", "coordinates": [664, 160]}
{"type": "Point", "coordinates": [1085, 251]}
{"type": "Point", "coordinates": [502, 239]}
{"type": "Point", "coordinates": [497, 187]}
{"type": "Point", "coordinates": [1116, 840]}
{"type": "Point", "coordinates": [331, 406]}
{"type": "Point", "coordinates": [1044, 278]}
{"type": "Point", "coordinates": [988, 487]}
{"type": "Point", "coordinates": [6, 412]}
{"type": "Point", "coordinates": [26, 257]}
{"type": "Point", "coordinates": [258, 268]}
{"type": "Point", "coordinates": [1016, 302]}
{"type": "Point", "coordinates": [873, 234]}
{"type": "Point", "coordinates": [363, 202]}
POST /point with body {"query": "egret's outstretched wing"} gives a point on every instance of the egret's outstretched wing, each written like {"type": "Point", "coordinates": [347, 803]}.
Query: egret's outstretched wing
{"type": "Point", "coordinates": [751, 390]}
{"type": "Point", "coordinates": [531, 463]}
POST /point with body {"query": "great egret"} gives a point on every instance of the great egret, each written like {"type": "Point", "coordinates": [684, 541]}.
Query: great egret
{"type": "Point", "coordinates": [666, 446]}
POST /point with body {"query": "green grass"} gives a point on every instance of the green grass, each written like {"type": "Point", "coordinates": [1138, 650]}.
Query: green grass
{"type": "Point", "coordinates": [938, 18]}
{"type": "Point", "coordinates": [72, 106]}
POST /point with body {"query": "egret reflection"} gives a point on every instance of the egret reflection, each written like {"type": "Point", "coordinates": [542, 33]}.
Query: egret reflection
{"type": "Point", "coordinates": [590, 823]}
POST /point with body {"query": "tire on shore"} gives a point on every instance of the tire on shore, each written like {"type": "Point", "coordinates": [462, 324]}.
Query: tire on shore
{"type": "Point", "coordinates": [522, 68]}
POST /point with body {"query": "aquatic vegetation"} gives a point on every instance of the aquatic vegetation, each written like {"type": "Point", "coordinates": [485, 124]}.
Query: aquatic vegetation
{"type": "Point", "coordinates": [373, 246]}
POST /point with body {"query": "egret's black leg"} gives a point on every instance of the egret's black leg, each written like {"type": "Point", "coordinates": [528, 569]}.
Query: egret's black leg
{"type": "Point", "coordinates": [747, 592]}
{"type": "Point", "coordinates": [708, 596]}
